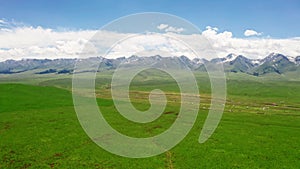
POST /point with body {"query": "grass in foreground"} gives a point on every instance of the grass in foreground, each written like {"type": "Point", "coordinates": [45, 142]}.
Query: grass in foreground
{"type": "Point", "coordinates": [260, 129]}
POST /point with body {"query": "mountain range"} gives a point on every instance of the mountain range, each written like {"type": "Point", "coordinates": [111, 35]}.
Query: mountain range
{"type": "Point", "coordinates": [273, 63]}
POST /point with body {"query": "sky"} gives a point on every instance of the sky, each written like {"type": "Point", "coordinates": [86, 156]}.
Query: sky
{"type": "Point", "coordinates": [59, 28]}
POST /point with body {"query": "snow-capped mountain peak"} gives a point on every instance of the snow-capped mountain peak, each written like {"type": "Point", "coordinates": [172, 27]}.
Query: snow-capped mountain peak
{"type": "Point", "coordinates": [230, 57]}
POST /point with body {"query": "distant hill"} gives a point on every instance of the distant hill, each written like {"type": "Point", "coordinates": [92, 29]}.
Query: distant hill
{"type": "Point", "coordinates": [273, 63]}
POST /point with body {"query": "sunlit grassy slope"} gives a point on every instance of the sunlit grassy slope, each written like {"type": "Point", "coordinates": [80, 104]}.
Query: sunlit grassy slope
{"type": "Point", "coordinates": [260, 127]}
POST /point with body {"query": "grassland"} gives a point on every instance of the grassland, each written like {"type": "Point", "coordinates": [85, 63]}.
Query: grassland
{"type": "Point", "coordinates": [260, 127]}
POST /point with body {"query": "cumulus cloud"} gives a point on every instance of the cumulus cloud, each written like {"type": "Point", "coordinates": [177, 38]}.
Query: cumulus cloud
{"type": "Point", "coordinates": [225, 43]}
{"type": "Point", "coordinates": [18, 42]}
{"type": "Point", "coordinates": [213, 33]}
{"type": "Point", "coordinates": [250, 32]}
{"type": "Point", "coordinates": [212, 28]}
{"type": "Point", "coordinates": [30, 42]}
{"type": "Point", "coordinates": [162, 26]}
{"type": "Point", "coordinates": [174, 29]}
{"type": "Point", "coordinates": [151, 44]}
{"type": "Point", "coordinates": [168, 28]}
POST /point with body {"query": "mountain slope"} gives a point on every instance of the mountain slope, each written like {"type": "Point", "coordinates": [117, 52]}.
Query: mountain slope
{"type": "Point", "coordinates": [273, 63]}
{"type": "Point", "coordinates": [239, 64]}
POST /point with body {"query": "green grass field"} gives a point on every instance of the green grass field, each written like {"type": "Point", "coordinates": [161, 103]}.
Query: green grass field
{"type": "Point", "coordinates": [260, 127]}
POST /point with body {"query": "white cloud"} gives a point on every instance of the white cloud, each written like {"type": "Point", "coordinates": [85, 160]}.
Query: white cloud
{"type": "Point", "coordinates": [30, 42]}
{"type": "Point", "coordinates": [38, 42]}
{"type": "Point", "coordinates": [251, 32]}
{"type": "Point", "coordinates": [213, 28]}
{"type": "Point", "coordinates": [213, 33]}
{"type": "Point", "coordinates": [224, 43]}
{"type": "Point", "coordinates": [174, 29]}
{"type": "Point", "coordinates": [162, 26]}
{"type": "Point", "coordinates": [168, 28]}
{"type": "Point", "coordinates": [149, 45]}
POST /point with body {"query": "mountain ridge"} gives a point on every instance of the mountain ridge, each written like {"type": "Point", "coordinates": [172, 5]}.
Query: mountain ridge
{"type": "Point", "coordinates": [272, 63]}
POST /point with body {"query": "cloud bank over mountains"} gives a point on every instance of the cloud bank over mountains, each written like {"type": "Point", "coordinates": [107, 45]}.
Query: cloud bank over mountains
{"type": "Point", "coordinates": [19, 41]}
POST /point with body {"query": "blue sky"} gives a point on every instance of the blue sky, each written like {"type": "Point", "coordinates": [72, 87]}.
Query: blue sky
{"type": "Point", "coordinates": [62, 28]}
{"type": "Point", "coordinates": [275, 18]}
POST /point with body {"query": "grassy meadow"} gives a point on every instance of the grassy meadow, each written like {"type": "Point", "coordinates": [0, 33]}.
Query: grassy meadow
{"type": "Point", "coordinates": [260, 127]}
